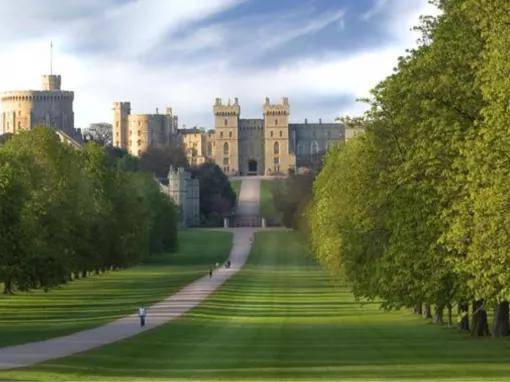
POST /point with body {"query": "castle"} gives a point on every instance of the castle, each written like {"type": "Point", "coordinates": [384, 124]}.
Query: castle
{"type": "Point", "coordinates": [270, 145]}
{"type": "Point", "coordinates": [185, 192]}
{"type": "Point", "coordinates": [136, 133]}
{"type": "Point", "coordinates": [267, 146]}
{"type": "Point", "coordinates": [25, 109]}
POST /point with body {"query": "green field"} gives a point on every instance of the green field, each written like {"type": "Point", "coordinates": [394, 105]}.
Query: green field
{"type": "Point", "coordinates": [89, 302]}
{"type": "Point", "coordinates": [267, 208]}
{"type": "Point", "coordinates": [281, 318]}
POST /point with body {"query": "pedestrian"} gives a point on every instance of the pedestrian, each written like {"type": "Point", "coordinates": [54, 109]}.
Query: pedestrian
{"type": "Point", "coordinates": [210, 272]}
{"type": "Point", "coordinates": [141, 314]}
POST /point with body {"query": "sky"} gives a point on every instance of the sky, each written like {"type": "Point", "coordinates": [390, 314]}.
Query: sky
{"type": "Point", "coordinates": [322, 54]}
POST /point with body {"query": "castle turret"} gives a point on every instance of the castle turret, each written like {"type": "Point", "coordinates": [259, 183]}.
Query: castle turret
{"type": "Point", "coordinates": [121, 111]}
{"type": "Point", "coordinates": [51, 82]}
{"type": "Point", "coordinates": [276, 137]}
{"type": "Point", "coordinates": [226, 122]}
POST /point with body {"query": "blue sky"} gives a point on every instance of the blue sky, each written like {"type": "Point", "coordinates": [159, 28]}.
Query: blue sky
{"type": "Point", "coordinates": [322, 54]}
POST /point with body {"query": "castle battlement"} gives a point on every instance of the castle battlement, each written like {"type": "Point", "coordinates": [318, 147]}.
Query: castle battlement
{"type": "Point", "coordinates": [230, 109]}
{"type": "Point", "coordinates": [276, 109]}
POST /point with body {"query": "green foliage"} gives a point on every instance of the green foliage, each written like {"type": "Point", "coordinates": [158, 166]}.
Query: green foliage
{"type": "Point", "coordinates": [157, 160]}
{"type": "Point", "coordinates": [416, 211]}
{"type": "Point", "coordinates": [217, 198]}
{"type": "Point", "coordinates": [290, 197]}
{"type": "Point", "coordinates": [64, 212]}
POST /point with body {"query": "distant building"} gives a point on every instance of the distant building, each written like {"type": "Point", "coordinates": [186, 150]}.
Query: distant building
{"type": "Point", "coordinates": [195, 143]}
{"type": "Point", "coordinates": [137, 133]}
{"type": "Point", "coordinates": [51, 107]}
{"type": "Point", "coordinates": [267, 146]}
{"type": "Point", "coordinates": [185, 191]}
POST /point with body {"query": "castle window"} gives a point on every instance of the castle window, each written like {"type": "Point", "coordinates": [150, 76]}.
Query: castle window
{"type": "Point", "coordinates": [221, 134]}
{"type": "Point", "coordinates": [276, 122]}
{"type": "Point", "coordinates": [117, 123]}
{"type": "Point", "coordinates": [300, 149]}
{"type": "Point", "coordinates": [281, 133]}
{"type": "Point", "coordinates": [276, 160]}
{"type": "Point", "coordinates": [139, 142]}
{"type": "Point", "coordinates": [276, 148]}
{"type": "Point", "coordinates": [139, 152]}
{"type": "Point", "coordinates": [225, 161]}
{"type": "Point", "coordinates": [139, 133]}
{"type": "Point", "coordinates": [230, 134]}
{"type": "Point", "coordinates": [226, 122]}
{"type": "Point", "coordinates": [271, 133]}
{"type": "Point", "coordinates": [225, 148]}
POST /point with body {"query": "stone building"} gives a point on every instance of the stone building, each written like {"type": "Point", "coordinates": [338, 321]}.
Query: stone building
{"type": "Point", "coordinates": [51, 107]}
{"type": "Point", "coordinates": [185, 191]}
{"type": "Point", "coordinates": [195, 146]}
{"type": "Point", "coordinates": [267, 146]}
{"type": "Point", "coordinates": [136, 133]}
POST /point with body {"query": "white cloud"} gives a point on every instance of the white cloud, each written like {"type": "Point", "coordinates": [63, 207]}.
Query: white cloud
{"type": "Point", "coordinates": [132, 30]}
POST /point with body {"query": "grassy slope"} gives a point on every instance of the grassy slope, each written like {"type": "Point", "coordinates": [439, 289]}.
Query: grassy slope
{"type": "Point", "coordinates": [267, 208]}
{"type": "Point", "coordinates": [281, 318]}
{"type": "Point", "coordinates": [89, 302]}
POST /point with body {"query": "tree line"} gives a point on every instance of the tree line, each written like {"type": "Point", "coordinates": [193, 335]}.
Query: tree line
{"type": "Point", "coordinates": [65, 213]}
{"type": "Point", "coordinates": [416, 212]}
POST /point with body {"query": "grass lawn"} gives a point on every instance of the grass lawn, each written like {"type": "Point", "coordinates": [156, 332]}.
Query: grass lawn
{"type": "Point", "coordinates": [281, 318]}
{"type": "Point", "coordinates": [267, 208]}
{"type": "Point", "coordinates": [89, 302]}
{"type": "Point", "coordinates": [236, 186]}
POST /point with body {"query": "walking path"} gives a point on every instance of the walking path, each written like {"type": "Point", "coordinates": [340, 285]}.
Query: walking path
{"type": "Point", "coordinates": [157, 314]}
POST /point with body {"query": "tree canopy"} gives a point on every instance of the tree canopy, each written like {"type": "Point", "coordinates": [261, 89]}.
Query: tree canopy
{"type": "Point", "coordinates": [64, 212]}
{"type": "Point", "coordinates": [414, 212]}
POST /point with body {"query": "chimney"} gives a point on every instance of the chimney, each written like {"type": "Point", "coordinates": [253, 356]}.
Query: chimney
{"type": "Point", "coordinates": [236, 101]}
{"type": "Point", "coordinates": [306, 121]}
{"type": "Point", "coordinates": [157, 111]}
{"type": "Point", "coordinates": [267, 100]}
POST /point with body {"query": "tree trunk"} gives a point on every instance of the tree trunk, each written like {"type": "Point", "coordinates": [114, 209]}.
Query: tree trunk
{"type": "Point", "coordinates": [418, 309]}
{"type": "Point", "coordinates": [501, 320]}
{"type": "Point", "coordinates": [438, 314]}
{"type": "Point", "coordinates": [450, 318]}
{"type": "Point", "coordinates": [84, 274]}
{"type": "Point", "coordinates": [480, 325]}
{"type": "Point", "coordinates": [464, 316]}
{"type": "Point", "coordinates": [427, 312]}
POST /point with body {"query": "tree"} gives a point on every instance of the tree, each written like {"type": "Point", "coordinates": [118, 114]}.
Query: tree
{"type": "Point", "coordinates": [157, 160]}
{"type": "Point", "coordinates": [291, 196]}
{"type": "Point", "coordinates": [217, 198]}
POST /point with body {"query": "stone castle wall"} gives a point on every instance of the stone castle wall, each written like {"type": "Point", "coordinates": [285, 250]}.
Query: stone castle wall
{"type": "Point", "coordinates": [51, 107]}
{"type": "Point", "coordinates": [185, 191]}
{"type": "Point", "coordinates": [136, 133]}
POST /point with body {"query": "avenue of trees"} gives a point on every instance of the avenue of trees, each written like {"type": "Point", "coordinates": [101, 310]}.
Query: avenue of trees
{"type": "Point", "coordinates": [416, 212]}
{"type": "Point", "coordinates": [65, 213]}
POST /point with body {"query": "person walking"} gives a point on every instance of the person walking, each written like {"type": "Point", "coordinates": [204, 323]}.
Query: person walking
{"type": "Point", "coordinates": [141, 314]}
{"type": "Point", "coordinates": [210, 272]}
